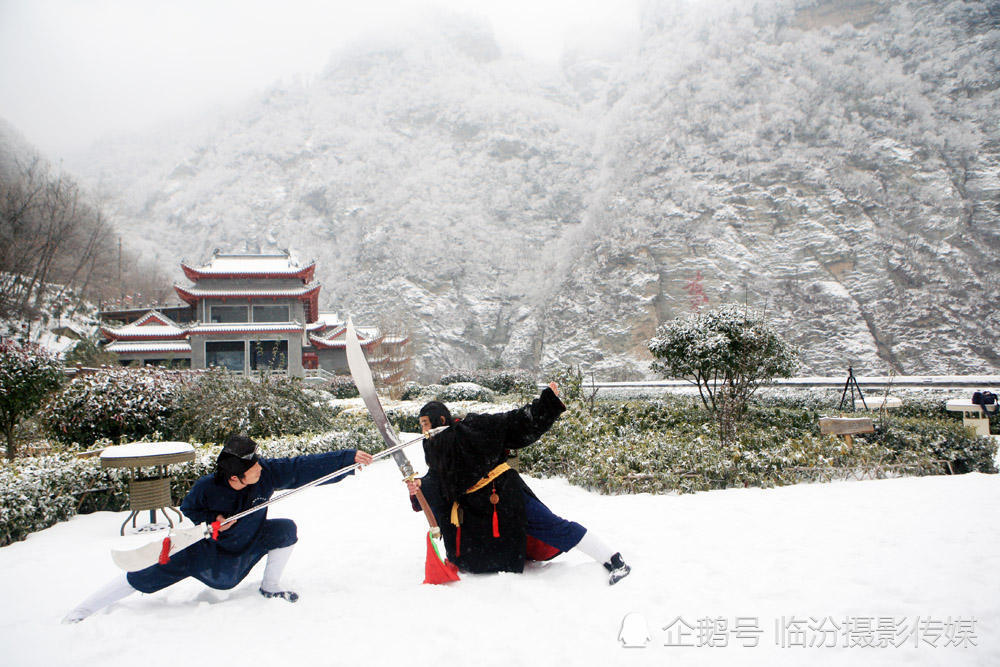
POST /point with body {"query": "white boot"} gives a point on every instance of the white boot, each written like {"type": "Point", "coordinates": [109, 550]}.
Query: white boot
{"type": "Point", "coordinates": [112, 592]}
{"type": "Point", "coordinates": [595, 547]}
{"type": "Point", "coordinates": [270, 586]}
{"type": "Point", "coordinates": [612, 561]}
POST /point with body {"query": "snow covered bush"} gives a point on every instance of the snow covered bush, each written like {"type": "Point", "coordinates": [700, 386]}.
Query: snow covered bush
{"type": "Point", "coordinates": [218, 403]}
{"type": "Point", "coordinates": [945, 440]}
{"type": "Point", "coordinates": [420, 392]}
{"type": "Point", "coordinates": [502, 381]}
{"type": "Point", "coordinates": [90, 354]}
{"type": "Point", "coordinates": [570, 381]}
{"type": "Point", "coordinates": [673, 445]}
{"type": "Point", "coordinates": [727, 352]}
{"type": "Point", "coordinates": [465, 391]}
{"type": "Point", "coordinates": [38, 492]}
{"type": "Point", "coordinates": [27, 375]}
{"type": "Point", "coordinates": [342, 386]}
{"type": "Point", "coordinates": [114, 403]}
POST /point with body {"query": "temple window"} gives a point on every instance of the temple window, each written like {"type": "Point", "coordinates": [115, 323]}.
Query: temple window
{"type": "Point", "coordinates": [271, 314]}
{"type": "Point", "coordinates": [226, 354]}
{"type": "Point", "coordinates": [226, 314]}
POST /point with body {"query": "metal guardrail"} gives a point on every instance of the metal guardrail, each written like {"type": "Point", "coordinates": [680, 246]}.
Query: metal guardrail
{"type": "Point", "coordinates": [867, 382]}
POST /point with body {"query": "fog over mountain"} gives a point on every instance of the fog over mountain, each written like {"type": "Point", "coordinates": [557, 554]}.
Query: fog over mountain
{"type": "Point", "coordinates": [835, 163]}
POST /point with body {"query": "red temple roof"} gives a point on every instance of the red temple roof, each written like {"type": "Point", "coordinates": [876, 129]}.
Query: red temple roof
{"type": "Point", "coordinates": [150, 347]}
{"type": "Point", "coordinates": [194, 293]}
{"type": "Point", "coordinates": [250, 266]}
{"type": "Point", "coordinates": [151, 326]}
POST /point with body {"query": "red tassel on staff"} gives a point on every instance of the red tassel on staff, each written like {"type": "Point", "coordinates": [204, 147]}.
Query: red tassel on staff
{"type": "Point", "coordinates": [436, 570]}
{"type": "Point", "coordinates": [165, 552]}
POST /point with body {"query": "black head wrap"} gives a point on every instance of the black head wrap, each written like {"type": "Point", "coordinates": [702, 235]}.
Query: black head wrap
{"type": "Point", "coordinates": [238, 455]}
{"type": "Point", "coordinates": [229, 465]}
{"type": "Point", "coordinates": [240, 446]}
{"type": "Point", "coordinates": [435, 411]}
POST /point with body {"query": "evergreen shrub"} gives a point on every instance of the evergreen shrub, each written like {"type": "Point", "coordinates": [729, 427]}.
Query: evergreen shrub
{"type": "Point", "coordinates": [727, 352]}
{"type": "Point", "coordinates": [114, 403]}
{"type": "Point", "coordinates": [673, 445]}
{"type": "Point", "coordinates": [37, 492]}
{"type": "Point", "coordinates": [28, 373]}
{"type": "Point", "coordinates": [502, 381]}
{"type": "Point", "coordinates": [465, 391]}
{"type": "Point", "coordinates": [418, 392]}
{"type": "Point", "coordinates": [218, 403]}
{"type": "Point", "coordinates": [342, 386]}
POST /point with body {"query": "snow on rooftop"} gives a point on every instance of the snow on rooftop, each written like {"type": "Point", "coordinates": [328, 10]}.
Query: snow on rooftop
{"type": "Point", "coordinates": [157, 330]}
{"type": "Point", "coordinates": [234, 293]}
{"type": "Point", "coordinates": [150, 346]}
{"type": "Point", "coordinates": [251, 264]}
{"type": "Point", "coordinates": [246, 328]}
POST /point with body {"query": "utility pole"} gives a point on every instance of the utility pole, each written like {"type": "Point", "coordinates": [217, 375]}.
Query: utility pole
{"type": "Point", "coordinates": [121, 286]}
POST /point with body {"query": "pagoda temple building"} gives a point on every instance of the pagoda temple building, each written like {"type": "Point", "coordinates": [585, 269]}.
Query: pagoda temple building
{"type": "Point", "coordinates": [251, 313]}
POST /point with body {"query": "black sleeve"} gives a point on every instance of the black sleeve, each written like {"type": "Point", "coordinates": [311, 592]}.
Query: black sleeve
{"type": "Point", "coordinates": [518, 428]}
{"type": "Point", "coordinates": [430, 485]}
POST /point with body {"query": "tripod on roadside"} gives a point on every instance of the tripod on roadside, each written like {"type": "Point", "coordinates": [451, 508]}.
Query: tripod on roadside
{"type": "Point", "coordinates": [852, 384]}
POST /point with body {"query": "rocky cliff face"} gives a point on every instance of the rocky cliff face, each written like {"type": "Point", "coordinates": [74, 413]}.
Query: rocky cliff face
{"type": "Point", "coordinates": [835, 163]}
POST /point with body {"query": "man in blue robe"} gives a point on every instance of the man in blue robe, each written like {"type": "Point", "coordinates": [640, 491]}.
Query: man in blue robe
{"type": "Point", "coordinates": [242, 480]}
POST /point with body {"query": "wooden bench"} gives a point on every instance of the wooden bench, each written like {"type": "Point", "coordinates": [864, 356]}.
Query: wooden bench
{"type": "Point", "coordinates": [846, 426]}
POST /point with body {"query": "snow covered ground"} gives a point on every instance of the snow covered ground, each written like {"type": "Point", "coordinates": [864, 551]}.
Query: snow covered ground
{"type": "Point", "coordinates": [913, 561]}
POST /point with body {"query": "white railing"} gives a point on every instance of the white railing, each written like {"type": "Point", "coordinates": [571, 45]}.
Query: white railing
{"type": "Point", "coordinates": [867, 382]}
{"type": "Point", "coordinates": [318, 373]}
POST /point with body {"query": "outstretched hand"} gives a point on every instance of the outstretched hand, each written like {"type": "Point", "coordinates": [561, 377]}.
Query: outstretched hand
{"type": "Point", "coordinates": [364, 458]}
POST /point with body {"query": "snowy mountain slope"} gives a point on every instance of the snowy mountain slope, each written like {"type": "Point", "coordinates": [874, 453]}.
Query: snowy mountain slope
{"type": "Point", "coordinates": [835, 163]}
{"type": "Point", "coordinates": [61, 319]}
{"type": "Point", "coordinates": [910, 549]}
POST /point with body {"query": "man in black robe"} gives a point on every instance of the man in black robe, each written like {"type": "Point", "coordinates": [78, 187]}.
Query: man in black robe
{"type": "Point", "coordinates": [490, 520]}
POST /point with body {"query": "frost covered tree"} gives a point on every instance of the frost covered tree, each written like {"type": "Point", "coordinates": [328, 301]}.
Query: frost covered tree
{"type": "Point", "coordinates": [728, 352]}
{"type": "Point", "coordinates": [27, 374]}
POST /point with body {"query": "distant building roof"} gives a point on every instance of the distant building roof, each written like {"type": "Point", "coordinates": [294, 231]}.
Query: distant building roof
{"type": "Point", "coordinates": [168, 347]}
{"type": "Point", "coordinates": [276, 265]}
{"type": "Point", "coordinates": [177, 312]}
{"type": "Point", "coordinates": [194, 293]}
{"type": "Point", "coordinates": [152, 325]}
{"type": "Point", "coordinates": [250, 327]}
{"type": "Point", "coordinates": [335, 339]}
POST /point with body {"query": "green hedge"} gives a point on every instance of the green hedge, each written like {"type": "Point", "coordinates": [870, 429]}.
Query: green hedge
{"type": "Point", "coordinates": [113, 403]}
{"type": "Point", "coordinates": [671, 445]}
{"type": "Point", "coordinates": [667, 445]}
{"type": "Point", "coordinates": [139, 403]}
{"type": "Point", "coordinates": [516, 381]}
{"type": "Point", "coordinates": [342, 386]}
{"type": "Point", "coordinates": [218, 403]}
{"type": "Point", "coordinates": [36, 493]}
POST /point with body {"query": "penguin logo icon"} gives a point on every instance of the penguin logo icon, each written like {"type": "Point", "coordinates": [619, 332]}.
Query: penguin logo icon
{"type": "Point", "coordinates": [634, 632]}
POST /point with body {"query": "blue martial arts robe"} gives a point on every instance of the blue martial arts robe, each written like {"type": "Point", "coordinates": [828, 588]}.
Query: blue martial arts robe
{"type": "Point", "coordinates": [224, 563]}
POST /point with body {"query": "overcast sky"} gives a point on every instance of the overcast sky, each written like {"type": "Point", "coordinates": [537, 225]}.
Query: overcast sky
{"type": "Point", "coordinates": [73, 71]}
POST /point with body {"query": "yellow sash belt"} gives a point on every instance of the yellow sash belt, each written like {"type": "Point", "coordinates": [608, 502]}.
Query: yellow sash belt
{"type": "Point", "coordinates": [492, 475]}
